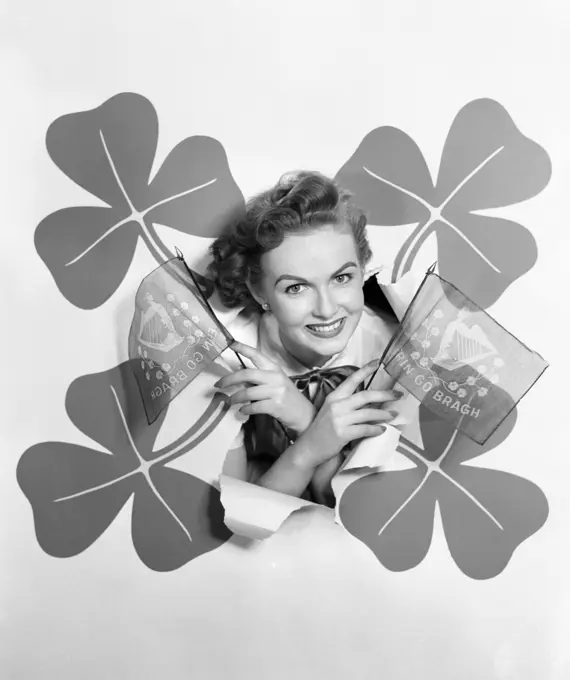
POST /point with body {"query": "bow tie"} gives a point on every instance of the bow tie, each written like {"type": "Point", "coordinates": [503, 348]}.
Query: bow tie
{"type": "Point", "coordinates": [267, 435]}
{"type": "Point", "coordinates": [325, 379]}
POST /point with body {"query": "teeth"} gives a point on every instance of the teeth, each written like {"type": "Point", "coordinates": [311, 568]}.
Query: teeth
{"type": "Point", "coordinates": [326, 329]}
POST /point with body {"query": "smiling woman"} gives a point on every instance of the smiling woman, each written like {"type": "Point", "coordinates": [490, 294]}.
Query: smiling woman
{"type": "Point", "coordinates": [296, 264]}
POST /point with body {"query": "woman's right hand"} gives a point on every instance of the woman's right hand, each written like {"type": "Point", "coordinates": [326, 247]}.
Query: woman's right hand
{"type": "Point", "coordinates": [344, 417]}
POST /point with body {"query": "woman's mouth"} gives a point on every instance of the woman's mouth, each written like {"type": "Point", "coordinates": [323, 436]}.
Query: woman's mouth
{"type": "Point", "coordinates": [329, 330]}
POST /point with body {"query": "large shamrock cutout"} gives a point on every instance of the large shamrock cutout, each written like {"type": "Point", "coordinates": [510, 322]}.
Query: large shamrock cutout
{"type": "Point", "coordinates": [485, 513]}
{"type": "Point", "coordinates": [76, 492]}
{"type": "Point", "coordinates": [109, 151]}
{"type": "Point", "coordinates": [486, 163]}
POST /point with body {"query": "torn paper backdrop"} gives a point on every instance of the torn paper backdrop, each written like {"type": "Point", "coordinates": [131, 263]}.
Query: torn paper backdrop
{"type": "Point", "coordinates": [257, 513]}
{"type": "Point", "coordinates": [401, 293]}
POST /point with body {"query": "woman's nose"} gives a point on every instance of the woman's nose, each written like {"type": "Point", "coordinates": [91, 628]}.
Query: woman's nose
{"type": "Point", "coordinates": [326, 305]}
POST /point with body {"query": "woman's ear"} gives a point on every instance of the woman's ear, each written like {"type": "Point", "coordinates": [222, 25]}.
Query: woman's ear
{"type": "Point", "coordinates": [256, 293]}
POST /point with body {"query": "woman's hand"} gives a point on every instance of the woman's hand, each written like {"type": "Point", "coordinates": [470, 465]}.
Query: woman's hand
{"type": "Point", "coordinates": [266, 389]}
{"type": "Point", "coordinates": [344, 417]}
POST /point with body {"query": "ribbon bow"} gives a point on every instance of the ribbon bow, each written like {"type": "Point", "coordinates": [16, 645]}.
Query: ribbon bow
{"type": "Point", "coordinates": [325, 379]}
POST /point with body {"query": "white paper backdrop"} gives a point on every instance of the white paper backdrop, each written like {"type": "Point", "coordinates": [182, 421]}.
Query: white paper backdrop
{"type": "Point", "coordinates": [280, 87]}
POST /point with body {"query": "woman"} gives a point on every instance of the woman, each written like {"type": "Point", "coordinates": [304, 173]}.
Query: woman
{"type": "Point", "coordinates": [295, 262]}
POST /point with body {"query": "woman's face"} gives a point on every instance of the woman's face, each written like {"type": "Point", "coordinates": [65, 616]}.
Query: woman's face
{"type": "Point", "coordinates": [313, 284]}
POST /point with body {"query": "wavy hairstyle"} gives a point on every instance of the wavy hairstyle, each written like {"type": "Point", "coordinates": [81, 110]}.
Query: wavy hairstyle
{"type": "Point", "coordinates": [302, 200]}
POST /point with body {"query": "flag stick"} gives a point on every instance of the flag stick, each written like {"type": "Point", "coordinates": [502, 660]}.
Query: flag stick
{"type": "Point", "coordinates": [396, 332]}
{"type": "Point", "coordinates": [209, 306]}
{"type": "Point", "coordinates": [226, 332]}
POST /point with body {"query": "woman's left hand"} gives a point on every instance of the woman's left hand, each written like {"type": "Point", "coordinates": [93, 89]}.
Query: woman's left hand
{"type": "Point", "coordinates": [266, 389]}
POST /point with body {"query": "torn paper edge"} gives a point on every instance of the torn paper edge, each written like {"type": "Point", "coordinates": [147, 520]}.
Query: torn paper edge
{"type": "Point", "coordinates": [253, 511]}
{"type": "Point", "coordinates": [257, 513]}
{"type": "Point", "coordinates": [371, 455]}
{"type": "Point", "coordinates": [401, 293]}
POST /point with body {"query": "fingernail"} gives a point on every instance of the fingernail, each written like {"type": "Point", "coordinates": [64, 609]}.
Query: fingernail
{"type": "Point", "coordinates": [374, 363]}
{"type": "Point", "coordinates": [398, 394]}
{"type": "Point", "coordinates": [394, 414]}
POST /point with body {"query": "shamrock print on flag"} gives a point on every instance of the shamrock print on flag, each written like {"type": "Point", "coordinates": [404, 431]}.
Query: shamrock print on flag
{"type": "Point", "coordinates": [486, 163]}
{"type": "Point", "coordinates": [109, 151]}
{"type": "Point", "coordinates": [485, 513]}
{"type": "Point", "coordinates": [76, 492]}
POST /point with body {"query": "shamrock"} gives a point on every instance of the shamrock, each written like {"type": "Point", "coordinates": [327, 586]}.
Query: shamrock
{"type": "Point", "coordinates": [485, 513]}
{"type": "Point", "coordinates": [76, 492]}
{"type": "Point", "coordinates": [109, 151]}
{"type": "Point", "coordinates": [486, 163]}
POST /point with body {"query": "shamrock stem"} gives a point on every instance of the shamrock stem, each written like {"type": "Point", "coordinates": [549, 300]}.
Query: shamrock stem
{"type": "Point", "coordinates": [208, 421]}
{"type": "Point", "coordinates": [154, 243]}
{"type": "Point", "coordinates": [409, 250]}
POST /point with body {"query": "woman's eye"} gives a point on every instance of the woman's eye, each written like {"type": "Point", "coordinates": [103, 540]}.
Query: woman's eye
{"type": "Point", "coordinates": [294, 289]}
{"type": "Point", "coordinates": [343, 278]}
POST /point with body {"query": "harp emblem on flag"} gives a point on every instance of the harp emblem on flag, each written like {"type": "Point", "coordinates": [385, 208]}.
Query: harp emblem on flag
{"type": "Point", "coordinates": [461, 344]}
{"type": "Point", "coordinates": [156, 329]}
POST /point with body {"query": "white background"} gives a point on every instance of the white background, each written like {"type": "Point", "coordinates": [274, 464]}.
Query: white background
{"type": "Point", "coordinates": [281, 86]}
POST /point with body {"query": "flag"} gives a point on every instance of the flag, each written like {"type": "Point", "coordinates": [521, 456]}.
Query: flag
{"type": "Point", "coordinates": [174, 335]}
{"type": "Point", "coordinates": [458, 361]}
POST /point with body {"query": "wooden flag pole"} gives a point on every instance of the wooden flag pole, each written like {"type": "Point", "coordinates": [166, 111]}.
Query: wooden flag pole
{"type": "Point", "coordinates": [226, 332]}
{"type": "Point", "coordinates": [396, 333]}
{"type": "Point", "coordinates": [208, 305]}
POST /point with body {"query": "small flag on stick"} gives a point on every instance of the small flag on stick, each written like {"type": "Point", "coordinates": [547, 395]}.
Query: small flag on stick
{"type": "Point", "coordinates": [174, 335]}
{"type": "Point", "coordinates": [458, 361]}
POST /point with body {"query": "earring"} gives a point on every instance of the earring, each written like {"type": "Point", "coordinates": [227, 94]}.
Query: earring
{"type": "Point", "coordinates": [265, 306]}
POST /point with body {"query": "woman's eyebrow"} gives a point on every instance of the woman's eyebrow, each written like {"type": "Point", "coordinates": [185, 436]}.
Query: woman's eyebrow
{"type": "Point", "coordinates": [300, 279]}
